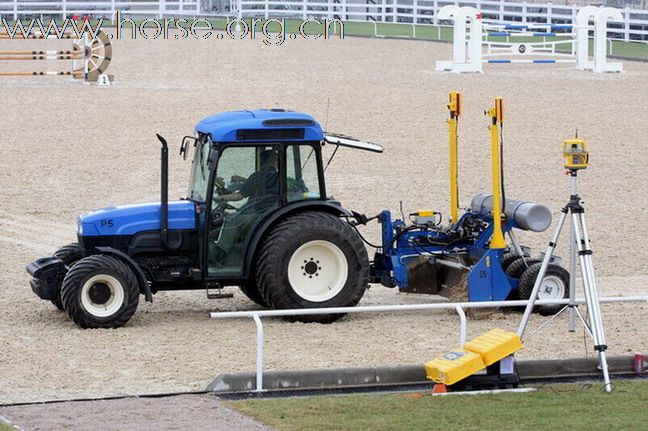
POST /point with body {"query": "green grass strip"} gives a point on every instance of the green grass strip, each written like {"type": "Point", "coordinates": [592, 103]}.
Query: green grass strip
{"type": "Point", "coordinates": [556, 407]}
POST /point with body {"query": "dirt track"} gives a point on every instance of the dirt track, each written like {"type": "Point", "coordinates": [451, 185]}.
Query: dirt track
{"type": "Point", "coordinates": [67, 148]}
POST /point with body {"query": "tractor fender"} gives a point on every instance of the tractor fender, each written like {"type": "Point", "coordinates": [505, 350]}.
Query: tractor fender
{"type": "Point", "coordinates": [141, 278]}
{"type": "Point", "coordinates": [331, 207]}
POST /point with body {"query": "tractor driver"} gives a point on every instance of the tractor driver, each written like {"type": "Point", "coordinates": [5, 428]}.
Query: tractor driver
{"type": "Point", "coordinates": [263, 182]}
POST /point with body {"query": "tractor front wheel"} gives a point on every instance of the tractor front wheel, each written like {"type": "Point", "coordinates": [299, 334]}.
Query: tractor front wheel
{"type": "Point", "coordinates": [100, 292]}
{"type": "Point", "coordinates": [313, 260]}
{"type": "Point", "coordinates": [69, 254]}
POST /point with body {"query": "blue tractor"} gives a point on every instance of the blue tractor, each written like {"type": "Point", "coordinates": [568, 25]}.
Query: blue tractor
{"type": "Point", "coordinates": [257, 215]}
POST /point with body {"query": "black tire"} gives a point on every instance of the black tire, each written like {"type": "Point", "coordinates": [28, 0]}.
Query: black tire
{"type": "Point", "coordinates": [295, 238]}
{"type": "Point", "coordinates": [518, 266]}
{"type": "Point", "coordinates": [118, 281]}
{"type": "Point", "coordinates": [560, 280]}
{"type": "Point", "coordinates": [508, 258]}
{"type": "Point", "coordinates": [69, 254]}
{"type": "Point", "coordinates": [251, 290]}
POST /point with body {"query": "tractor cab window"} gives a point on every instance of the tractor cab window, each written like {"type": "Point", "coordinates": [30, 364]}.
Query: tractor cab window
{"type": "Point", "coordinates": [199, 178]}
{"type": "Point", "coordinates": [246, 187]}
{"type": "Point", "coordinates": [302, 179]}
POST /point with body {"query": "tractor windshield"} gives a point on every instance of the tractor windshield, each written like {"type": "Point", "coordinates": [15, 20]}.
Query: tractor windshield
{"type": "Point", "coordinates": [200, 170]}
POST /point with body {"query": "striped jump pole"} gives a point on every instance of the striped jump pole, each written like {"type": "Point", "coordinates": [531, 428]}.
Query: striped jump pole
{"type": "Point", "coordinates": [90, 56]}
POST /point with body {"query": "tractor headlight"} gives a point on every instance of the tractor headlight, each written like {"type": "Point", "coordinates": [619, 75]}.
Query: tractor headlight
{"type": "Point", "coordinates": [80, 229]}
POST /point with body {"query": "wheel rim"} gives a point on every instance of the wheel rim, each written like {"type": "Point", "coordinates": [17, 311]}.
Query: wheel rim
{"type": "Point", "coordinates": [318, 271]}
{"type": "Point", "coordinates": [552, 287]}
{"type": "Point", "coordinates": [102, 295]}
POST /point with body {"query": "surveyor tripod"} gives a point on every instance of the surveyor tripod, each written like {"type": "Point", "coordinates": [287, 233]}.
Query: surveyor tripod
{"type": "Point", "coordinates": [579, 249]}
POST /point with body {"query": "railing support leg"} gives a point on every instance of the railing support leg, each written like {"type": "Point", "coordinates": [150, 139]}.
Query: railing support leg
{"type": "Point", "coordinates": [259, 355]}
{"type": "Point", "coordinates": [462, 325]}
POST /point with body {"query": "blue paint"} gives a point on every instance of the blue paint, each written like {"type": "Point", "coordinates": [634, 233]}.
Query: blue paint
{"type": "Point", "coordinates": [131, 219]}
{"type": "Point", "coordinates": [224, 127]}
{"type": "Point", "coordinates": [544, 61]}
{"type": "Point", "coordinates": [499, 61]}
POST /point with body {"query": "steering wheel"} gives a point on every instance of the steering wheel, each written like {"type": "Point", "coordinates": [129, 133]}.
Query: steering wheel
{"type": "Point", "coordinates": [224, 205]}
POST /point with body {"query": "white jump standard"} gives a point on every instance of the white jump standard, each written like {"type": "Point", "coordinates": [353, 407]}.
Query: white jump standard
{"type": "Point", "coordinates": [469, 56]}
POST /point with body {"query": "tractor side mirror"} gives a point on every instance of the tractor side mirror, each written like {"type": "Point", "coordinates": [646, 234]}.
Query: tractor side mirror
{"type": "Point", "coordinates": [184, 147]}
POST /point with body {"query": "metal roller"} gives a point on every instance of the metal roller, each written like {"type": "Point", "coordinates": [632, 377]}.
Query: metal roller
{"type": "Point", "coordinates": [527, 215]}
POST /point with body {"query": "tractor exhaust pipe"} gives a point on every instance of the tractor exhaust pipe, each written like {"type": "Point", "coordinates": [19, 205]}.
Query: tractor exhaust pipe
{"type": "Point", "coordinates": [164, 192]}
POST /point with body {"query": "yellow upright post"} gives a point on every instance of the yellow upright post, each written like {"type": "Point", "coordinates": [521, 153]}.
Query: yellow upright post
{"type": "Point", "coordinates": [455, 111]}
{"type": "Point", "coordinates": [497, 116]}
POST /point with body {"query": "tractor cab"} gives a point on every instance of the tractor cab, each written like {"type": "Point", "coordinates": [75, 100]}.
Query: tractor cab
{"type": "Point", "coordinates": [241, 178]}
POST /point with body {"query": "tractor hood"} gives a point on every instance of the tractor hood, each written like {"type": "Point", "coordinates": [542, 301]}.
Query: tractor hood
{"type": "Point", "coordinates": [132, 219]}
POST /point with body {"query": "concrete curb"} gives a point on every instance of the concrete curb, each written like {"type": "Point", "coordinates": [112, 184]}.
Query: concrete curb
{"type": "Point", "coordinates": [336, 378]}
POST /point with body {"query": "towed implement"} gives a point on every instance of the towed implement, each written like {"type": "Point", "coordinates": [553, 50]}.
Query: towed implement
{"type": "Point", "coordinates": [258, 216]}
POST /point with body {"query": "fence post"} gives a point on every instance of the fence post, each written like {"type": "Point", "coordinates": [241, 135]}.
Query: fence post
{"type": "Point", "coordinates": [259, 355]}
{"type": "Point", "coordinates": [162, 9]}
{"type": "Point", "coordinates": [626, 24]}
{"type": "Point", "coordinates": [435, 6]}
{"type": "Point", "coordinates": [304, 9]}
{"type": "Point", "coordinates": [524, 12]}
{"type": "Point", "coordinates": [15, 10]}
{"type": "Point", "coordinates": [462, 325]}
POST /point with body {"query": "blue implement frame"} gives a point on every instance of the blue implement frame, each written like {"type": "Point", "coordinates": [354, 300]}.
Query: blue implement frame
{"type": "Point", "coordinates": [468, 238]}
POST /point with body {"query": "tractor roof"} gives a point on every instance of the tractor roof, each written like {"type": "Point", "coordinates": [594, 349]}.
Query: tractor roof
{"type": "Point", "coordinates": [261, 125]}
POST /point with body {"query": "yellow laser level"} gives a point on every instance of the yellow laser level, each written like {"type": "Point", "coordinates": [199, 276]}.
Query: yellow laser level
{"type": "Point", "coordinates": [575, 154]}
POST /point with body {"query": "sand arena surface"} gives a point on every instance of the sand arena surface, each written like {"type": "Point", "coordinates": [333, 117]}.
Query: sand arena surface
{"type": "Point", "coordinates": [67, 148]}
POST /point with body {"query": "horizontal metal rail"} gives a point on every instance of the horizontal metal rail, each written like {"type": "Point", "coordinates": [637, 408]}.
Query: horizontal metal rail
{"type": "Point", "coordinates": [458, 307]}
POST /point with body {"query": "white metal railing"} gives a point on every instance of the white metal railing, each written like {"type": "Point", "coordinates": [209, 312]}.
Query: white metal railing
{"type": "Point", "coordinates": [459, 307]}
{"type": "Point", "coordinates": [413, 12]}
{"type": "Point", "coordinates": [421, 12]}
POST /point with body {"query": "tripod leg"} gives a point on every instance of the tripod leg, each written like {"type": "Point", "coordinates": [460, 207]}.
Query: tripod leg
{"type": "Point", "coordinates": [543, 268]}
{"type": "Point", "coordinates": [571, 326]}
{"type": "Point", "coordinates": [591, 294]}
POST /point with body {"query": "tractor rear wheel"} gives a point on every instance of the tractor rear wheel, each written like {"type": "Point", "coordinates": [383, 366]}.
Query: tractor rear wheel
{"type": "Point", "coordinates": [312, 260]}
{"type": "Point", "coordinates": [251, 290]}
{"type": "Point", "coordinates": [555, 285]}
{"type": "Point", "coordinates": [69, 254]}
{"type": "Point", "coordinates": [100, 292]}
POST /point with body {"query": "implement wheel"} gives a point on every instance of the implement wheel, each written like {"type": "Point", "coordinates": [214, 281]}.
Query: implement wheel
{"type": "Point", "coordinates": [555, 285]}
{"type": "Point", "coordinates": [69, 254]}
{"type": "Point", "coordinates": [518, 266]}
{"type": "Point", "coordinates": [312, 260]}
{"type": "Point", "coordinates": [100, 292]}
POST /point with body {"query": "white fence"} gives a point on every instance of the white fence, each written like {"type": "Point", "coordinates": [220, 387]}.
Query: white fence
{"type": "Point", "coordinates": [633, 27]}
{"type": "Point", "coordinates": [458, 307]}
{"type": "Point", "coordinates": [21, 9]}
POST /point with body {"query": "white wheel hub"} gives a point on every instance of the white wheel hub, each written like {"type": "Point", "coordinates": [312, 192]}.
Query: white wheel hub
{"type": "Point", "coordinates": [552, 287]}
{"type": "Point", "coordinates": [318, 271]}
{"type": "Point", "coordinates": [102, 295]}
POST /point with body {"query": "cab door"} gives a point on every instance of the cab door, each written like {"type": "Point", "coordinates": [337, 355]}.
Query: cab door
{"type": "Point", "coordinates": [246, 187]}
